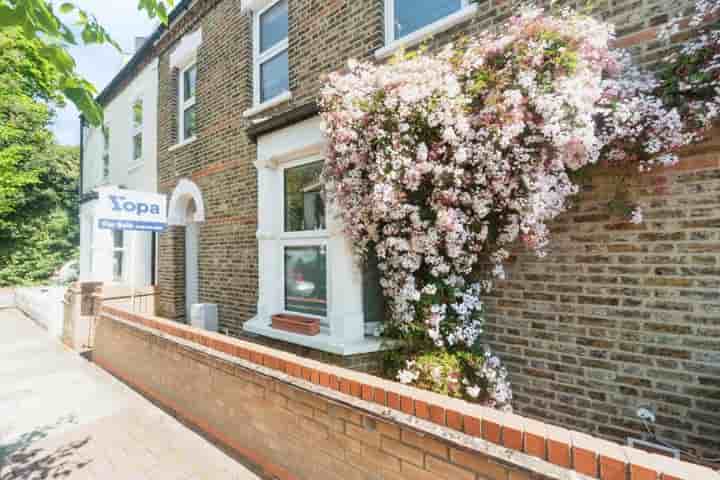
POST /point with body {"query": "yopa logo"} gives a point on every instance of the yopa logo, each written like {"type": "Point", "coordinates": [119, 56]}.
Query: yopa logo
{"type": "Point", "coordinates": [122, 204]}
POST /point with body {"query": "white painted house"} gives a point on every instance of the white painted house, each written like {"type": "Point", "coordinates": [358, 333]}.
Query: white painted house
{"type": "Point", "coordinates": [121, 154]}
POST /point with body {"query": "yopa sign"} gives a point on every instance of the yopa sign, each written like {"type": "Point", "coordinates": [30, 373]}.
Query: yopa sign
{"type": "Point", "coordinates": [131, 210]}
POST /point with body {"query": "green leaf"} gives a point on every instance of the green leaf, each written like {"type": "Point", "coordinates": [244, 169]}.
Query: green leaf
{"type": "Point", "coordinates": [67, 8]}
{"type": "Point", "coordinates": [85, 102]}
{"type": "Point", "coordinates": [59, 57]}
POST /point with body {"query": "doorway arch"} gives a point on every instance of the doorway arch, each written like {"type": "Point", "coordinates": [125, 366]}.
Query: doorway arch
{"type": "Point", "coordinates": [187, 209]}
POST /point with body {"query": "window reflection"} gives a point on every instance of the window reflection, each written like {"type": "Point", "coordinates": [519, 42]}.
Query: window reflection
{"type": "Point", "coordinates": [412, 15]}
{"type": "Point", "coordinates": [306, 280]}
{"type": "Point", "coordinates": [304, 202]}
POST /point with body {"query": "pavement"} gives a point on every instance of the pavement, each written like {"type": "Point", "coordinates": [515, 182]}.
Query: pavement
{"type": "Point", "coordinates": [62, 417]}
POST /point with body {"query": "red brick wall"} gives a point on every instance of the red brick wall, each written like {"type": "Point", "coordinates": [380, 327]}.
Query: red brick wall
{"type": "Point", "coordinates": [620, 316]}
{"type": "Point", "coordinates": [300, 419]}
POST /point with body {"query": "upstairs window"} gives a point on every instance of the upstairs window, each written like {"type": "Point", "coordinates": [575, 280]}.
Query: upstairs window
{"type": "Point", "coordinates": [188, 82]}
{"type": "Point", "coordinates": [408, 16]}
{"type": "Point", "coordinates": [271, 52]}
{"type": "Point", "coordinates": [137, 127]}
{"type": "Point", "coordinates": [106, 154]}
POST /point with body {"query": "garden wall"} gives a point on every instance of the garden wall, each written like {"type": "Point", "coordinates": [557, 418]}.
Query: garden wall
{"type": "Point", "coordinates": [44, 305]}
{"type": "Point", "coordinates": [300, 419]}
{"type": "Point", "coordinates": [621, 316]}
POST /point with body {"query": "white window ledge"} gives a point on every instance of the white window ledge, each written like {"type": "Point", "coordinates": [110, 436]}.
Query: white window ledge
{"type": "Point", "coordinates": [273, 102]}
{"type": "Point", "coordinates": [427, 31]}
{"type": "Point", "coordinates": [324, 341]}
{"type": "Point", "coordinates": [135, 166]}
{"type": "Point", "coordinates": [187, 141]}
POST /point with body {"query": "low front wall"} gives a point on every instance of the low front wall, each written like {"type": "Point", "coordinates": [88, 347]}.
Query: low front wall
{"type": "Point", "coordinates": [300, 419]}
{"type": "Point", "coordinates": [44, 305]}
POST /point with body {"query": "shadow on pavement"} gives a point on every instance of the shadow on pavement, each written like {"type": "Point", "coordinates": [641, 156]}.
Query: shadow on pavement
{"type": "Point", "coordinates": [21, 460]}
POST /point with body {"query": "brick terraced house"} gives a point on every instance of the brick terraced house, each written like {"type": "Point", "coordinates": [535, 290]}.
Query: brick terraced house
{"type": "Point", "coordinates": [616, 318]}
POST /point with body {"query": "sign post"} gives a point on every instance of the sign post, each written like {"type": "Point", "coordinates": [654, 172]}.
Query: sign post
{"type": "Point", "coordinates": [134, 211]}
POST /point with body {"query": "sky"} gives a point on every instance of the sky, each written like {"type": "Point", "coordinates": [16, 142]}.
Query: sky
{"type": "Point", "coordinates": [99, 64]}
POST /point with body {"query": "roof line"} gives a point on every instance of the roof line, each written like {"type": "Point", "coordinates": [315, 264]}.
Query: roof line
{"type": "Point", "coordinates": [141, 54]}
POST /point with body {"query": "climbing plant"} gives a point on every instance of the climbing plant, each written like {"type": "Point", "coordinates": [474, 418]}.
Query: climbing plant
{"type": "Point", "coordinates": [441, 162]}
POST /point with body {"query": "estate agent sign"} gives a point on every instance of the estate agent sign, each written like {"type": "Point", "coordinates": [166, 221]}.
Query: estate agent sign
{"type": "Point", "coordinates": [131, 210]}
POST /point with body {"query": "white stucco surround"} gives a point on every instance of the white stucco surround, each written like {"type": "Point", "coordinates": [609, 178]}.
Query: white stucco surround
{"type": "Point", "coordinates": [185, 192]}
{"type": "Point", "coordinates": [343, 330]}
{"type": "Point", "coordinates": [96, 245]}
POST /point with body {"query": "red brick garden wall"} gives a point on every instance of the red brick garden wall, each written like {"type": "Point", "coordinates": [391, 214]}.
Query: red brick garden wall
{"type": "Point", "coordinates": [300, 419]}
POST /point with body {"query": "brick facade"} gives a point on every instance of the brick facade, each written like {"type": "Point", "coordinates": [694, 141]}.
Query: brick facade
{"type": "Point", "coordinates": [617, 317]}
{"type": "Point", "coordinates": [219, 162]}
{"type": "Point", "coordinates": [620, 316]}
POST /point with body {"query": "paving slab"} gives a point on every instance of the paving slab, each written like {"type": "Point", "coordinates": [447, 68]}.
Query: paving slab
{"type": "Point", "coordinates": [63, 417]}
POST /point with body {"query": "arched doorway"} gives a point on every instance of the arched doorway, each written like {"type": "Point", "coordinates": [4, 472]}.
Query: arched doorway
{"type": "Point", "coordinates": [187, 209]}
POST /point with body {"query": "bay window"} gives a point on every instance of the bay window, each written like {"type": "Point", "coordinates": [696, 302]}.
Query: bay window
{"type": "Point", "coordinates": [306, 265]}
{"type": "Point", "coordinates": [270, 45]}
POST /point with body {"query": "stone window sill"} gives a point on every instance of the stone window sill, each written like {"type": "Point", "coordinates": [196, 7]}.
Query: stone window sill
{"type": "Point", "coordinates": [187, 141]}
{"type": "Point", "coordinates": [427, 31]}
{"type": "Point", "coordinates": [323, 341]}
{"type": "Point", "coordinates": [273, 102]}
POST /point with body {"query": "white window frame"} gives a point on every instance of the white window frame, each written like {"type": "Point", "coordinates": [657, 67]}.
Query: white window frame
{"type": "Point", "coordinates": [105, 154]}
{"type": "Point", "coordinates": [302, 238]}
{"type": "Point", "coordinates": [467, 10]}
{"type": "Point", "coordinates": [261, 58]}
{"type": "Point", "coordinates": [183, 104]}
{"type": "Point", "coordinates": [91, 242]}
{"type": "Point", "coordinates": [122, 249]}
{"type": "Point", "coordinates": [137, 129]}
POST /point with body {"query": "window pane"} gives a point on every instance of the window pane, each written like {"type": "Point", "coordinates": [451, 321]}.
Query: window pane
{"type": "Point", "coordinates": [118, 239]}
{"type": "Point", "coordinates": [189, 79]}
{"type": "Point", "coordinates": [137, 114]}
{"type": "Point", "coordinates": [274, 77]}
{"type": "Point", "coordinates": [106, 138]}
{"type": "Point", "coordinates": [306, 280]}
{"type": "Point", "coordinates": [412, 15]}
{"type": "Point", "coordinates": [106, 165]}
{"type": "Point", "coordinates": [274, 25]}
{"type": "Point", "coordinates": [189, 122]}
{"type": "Point", "coordinates": [304, 203]}
{"type": "Point", "coordinates": [373, 299]}
{"type": "Point", "coordinates": [117, 266]}
{"type": "Point", "coordinates": [137, 146]}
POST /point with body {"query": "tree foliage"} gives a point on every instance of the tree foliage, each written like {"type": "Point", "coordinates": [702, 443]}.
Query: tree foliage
{"type": "Point", "coordinates": [38, 179]}
{"type": "Point", "coordinates": [49, 26]}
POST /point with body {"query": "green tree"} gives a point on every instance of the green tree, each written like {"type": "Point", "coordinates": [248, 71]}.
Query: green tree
{"type": "Point", "coordinates": [27, 83]}
{"type": "Point", "coordinates": [51, 26]}
{"type": "Point", "coordinates": [38, 179]}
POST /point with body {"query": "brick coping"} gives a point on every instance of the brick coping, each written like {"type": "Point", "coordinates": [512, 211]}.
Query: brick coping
{"type": "Point", "coordinates": [551, 451]}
